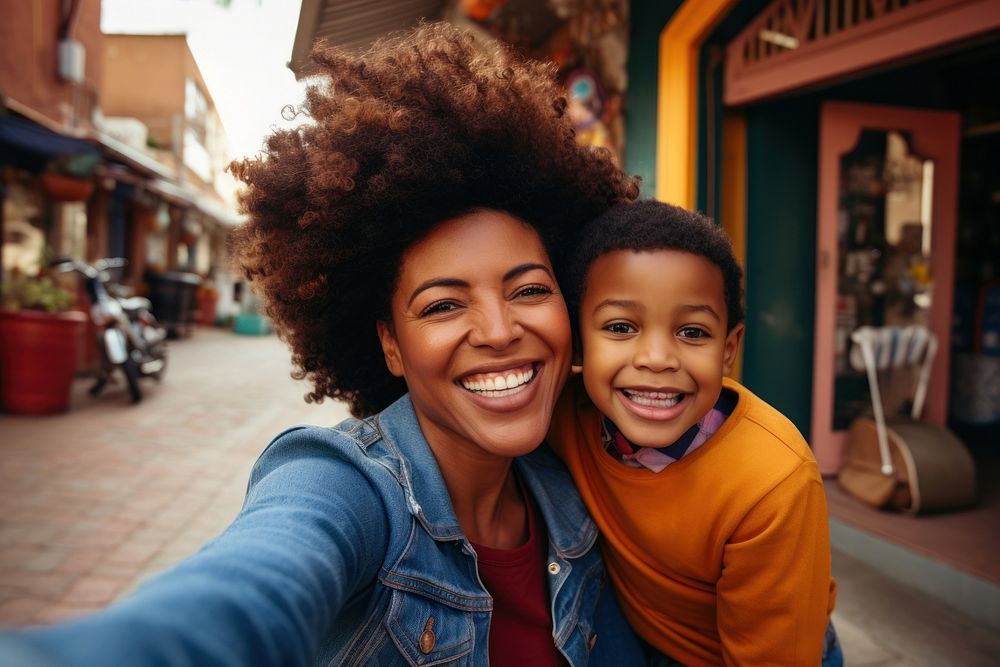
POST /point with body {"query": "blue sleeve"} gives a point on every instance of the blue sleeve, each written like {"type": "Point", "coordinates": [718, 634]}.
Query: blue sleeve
{"type": "Point", "coordinates": [312, 531]}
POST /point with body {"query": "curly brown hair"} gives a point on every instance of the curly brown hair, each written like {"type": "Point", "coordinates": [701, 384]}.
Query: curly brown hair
{"type": "Point", "coordinates": [422, 127]}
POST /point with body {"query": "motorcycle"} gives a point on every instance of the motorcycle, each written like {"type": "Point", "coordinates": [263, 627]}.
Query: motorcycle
{"type": "Point", "coordinates": [128, 335]}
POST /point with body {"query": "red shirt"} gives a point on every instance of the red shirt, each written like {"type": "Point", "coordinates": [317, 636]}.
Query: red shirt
{"type": "Point", "coordinates": [521, 626]}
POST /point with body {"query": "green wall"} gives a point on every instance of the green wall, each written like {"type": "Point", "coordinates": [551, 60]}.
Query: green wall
{"type": "Point", "coordinates": [782, 154]}
{"type": "Point", "coordinates": [648, 18]}
{"type": "Point", "coordinates": [781, 206]}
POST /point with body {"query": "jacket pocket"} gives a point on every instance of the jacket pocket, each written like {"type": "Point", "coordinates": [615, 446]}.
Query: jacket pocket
{"type": "Point", "coordinates": [430, 633]}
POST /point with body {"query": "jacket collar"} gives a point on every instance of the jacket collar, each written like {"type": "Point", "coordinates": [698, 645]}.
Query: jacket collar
{"type": "Point", "coordinates": [407, 453]}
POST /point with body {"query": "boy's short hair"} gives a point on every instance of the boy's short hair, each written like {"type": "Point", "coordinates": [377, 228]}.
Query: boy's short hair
{"type": "Point", "coordinates": [652, 225]}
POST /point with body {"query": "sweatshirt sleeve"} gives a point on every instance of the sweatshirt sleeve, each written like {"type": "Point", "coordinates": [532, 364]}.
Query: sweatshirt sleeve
{"type": "Point", "coordinates": [312, 531]}
{"type": "Point", "coordinates": [774, 591]}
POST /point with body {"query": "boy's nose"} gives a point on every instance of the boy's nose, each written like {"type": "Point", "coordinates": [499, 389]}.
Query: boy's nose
{"type": "Point", "coordinates": [656, 353]}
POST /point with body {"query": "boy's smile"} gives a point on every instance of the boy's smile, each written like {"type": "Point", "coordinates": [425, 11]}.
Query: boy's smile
{"type": "Point", "coordinates": [655, 346]}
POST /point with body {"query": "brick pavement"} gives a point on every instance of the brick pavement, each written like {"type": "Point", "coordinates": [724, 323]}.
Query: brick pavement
{"type": "Point", "coordinates": [97, 499]}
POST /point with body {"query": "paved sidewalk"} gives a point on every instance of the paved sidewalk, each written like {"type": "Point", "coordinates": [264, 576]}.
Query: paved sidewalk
{"type": "Point", "coordinates": [99, 498]}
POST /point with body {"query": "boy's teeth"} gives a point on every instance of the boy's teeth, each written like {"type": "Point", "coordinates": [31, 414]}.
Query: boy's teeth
{"type": "Point", "coordinates": [655, 399]}
{"type": "Point", "coordinates": [500, 382]}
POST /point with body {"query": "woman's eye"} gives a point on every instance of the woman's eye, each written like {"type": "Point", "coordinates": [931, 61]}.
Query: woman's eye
{"type": "Point", "coordinates": [533, 290]}
{"type": "Point", "coordinates": [693, 332]}
{"type": "Point", "coordinates": [438, 307]}
{"type": "Point", "coordinates": [620, 328]}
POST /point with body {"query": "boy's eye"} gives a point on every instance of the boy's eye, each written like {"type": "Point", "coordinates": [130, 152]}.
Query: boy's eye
{"type": "Point", "coordinates": [438, 307]}
{"type": "Point", "coordinates": [533, 290]}
{"type": "Point", "coordinates": [693, 332]}
{"type": "Point", "coordinates": [620, 328]}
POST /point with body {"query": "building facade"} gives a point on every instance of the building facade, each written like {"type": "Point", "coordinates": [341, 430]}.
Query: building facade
{"type": "Point", "coordinates": [110, 146]}
{"type": "Point", "coordinates": [155, 101]}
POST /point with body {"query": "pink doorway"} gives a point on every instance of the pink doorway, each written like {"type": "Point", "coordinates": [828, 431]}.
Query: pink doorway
{"type": "Point", "coordinates": [888, 181]}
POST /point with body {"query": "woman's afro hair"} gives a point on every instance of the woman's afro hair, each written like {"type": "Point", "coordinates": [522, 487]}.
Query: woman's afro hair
{"type": "Point", "coordinates": [652, 225]}
{"type": "Point", "coordinates": [423, 126]}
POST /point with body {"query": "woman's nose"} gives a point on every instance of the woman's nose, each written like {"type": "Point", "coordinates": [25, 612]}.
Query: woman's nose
{"type": "Point", "coordinates": [495, 326]}
{"type": "Point", "coordinates": [657, 353]}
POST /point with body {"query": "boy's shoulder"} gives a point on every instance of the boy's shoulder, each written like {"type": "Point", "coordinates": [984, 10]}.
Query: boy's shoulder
{"type": "Point", "coordinates": [765, 425]}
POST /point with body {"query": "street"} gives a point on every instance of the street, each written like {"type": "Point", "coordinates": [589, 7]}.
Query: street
{"type": "Point", "coordinates": [97, 499]}
{"type": "Point", "coordinates": [100, 498]}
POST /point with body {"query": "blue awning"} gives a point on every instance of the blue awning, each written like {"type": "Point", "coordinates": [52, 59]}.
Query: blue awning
{"type": "Point", "coordinates": [30, 146]}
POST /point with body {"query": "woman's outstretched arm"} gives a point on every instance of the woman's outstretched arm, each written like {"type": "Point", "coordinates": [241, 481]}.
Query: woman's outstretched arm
{"type": "Point", "coordinates": [266, 592]}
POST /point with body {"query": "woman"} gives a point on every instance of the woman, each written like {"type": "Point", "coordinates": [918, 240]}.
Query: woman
{"type": "Point", "coordinates": [408, 244]}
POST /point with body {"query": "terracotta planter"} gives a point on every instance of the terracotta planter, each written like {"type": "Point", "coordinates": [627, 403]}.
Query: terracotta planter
{"type": "Point", "coordinates": [66, 188]}
{"type": "Point", "coordinates": [38, 356]}
{"type": "Point", "coordinates": [207, 304]}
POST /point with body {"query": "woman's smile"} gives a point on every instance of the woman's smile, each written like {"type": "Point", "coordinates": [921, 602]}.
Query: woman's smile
{"type": "Point", "coordinates": [500, 383]}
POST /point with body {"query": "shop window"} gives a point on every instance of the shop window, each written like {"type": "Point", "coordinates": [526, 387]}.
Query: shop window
{"type": "Point", "coordinates": [156, 251]}
{"type": "Point", "coordinates": [203, 256]}
{"type": "Point", "coordinates": [156, 239]}
{"type": "Point", "coordinates": [73, 230]}
{"type": "Point", "coordinates": [24, 229]}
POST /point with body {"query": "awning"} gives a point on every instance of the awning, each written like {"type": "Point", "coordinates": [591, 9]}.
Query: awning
{"type": "Point", "coordinates": [188, 198]}
{"type": "Point", "coordinates": [354, 24]}
{"type": "Point", "coordinates": [30, 146]}
{"type": "Point", "coordinates": [132, 158]}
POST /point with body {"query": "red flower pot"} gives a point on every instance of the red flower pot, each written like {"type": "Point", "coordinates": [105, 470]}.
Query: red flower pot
{"type": "Point", "coordinates": [66, 188]}
{"type": "Point", "coordinates": [38, 356]}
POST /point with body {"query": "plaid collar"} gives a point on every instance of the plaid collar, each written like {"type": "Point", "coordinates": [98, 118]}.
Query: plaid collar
{"type": "Point", "coordinates": [658, 458]}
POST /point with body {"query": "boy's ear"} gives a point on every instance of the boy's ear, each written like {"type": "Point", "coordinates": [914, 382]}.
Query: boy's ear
{"type": "Point", "coordinates": [576, 362]}
{"type": "Point", "coordinates": [733, 340]}
{"type": "Point", "coordinates": [390, 348]}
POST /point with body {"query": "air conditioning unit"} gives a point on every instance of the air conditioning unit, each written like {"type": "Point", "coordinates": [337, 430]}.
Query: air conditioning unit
{"type": "Point", "coordinates": [72, 59]}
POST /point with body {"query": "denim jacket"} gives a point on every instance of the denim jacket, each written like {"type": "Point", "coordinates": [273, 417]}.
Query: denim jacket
{"type": "Point", "coordinates": [347, 552]}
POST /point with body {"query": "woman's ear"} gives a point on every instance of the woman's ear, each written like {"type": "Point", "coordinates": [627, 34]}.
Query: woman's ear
{"type": "Point", "coordinates": [390, 348]}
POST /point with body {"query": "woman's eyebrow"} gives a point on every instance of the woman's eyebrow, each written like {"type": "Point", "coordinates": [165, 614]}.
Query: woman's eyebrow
{"type": "Point", "coordinates": [436, 282]}
{"type": "Point", "coordinates": [524, 268]}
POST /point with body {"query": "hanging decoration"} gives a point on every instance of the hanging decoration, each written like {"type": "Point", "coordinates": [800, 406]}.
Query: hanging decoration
{"type": "Point", "coordinates": [586, 39]}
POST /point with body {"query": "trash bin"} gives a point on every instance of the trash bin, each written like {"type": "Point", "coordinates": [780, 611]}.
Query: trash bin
{"type": "Point", "coordinates": [172, 294]}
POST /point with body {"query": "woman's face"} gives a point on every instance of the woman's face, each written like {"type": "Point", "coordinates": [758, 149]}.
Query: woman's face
{"type": "Point", "coordinates": [480, 333]}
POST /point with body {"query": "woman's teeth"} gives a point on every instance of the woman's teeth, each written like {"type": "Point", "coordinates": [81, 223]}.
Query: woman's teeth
{"type": "Point", "coordinates": [500, 384]}
{"type": "Point", "coordinates": [653, 399]}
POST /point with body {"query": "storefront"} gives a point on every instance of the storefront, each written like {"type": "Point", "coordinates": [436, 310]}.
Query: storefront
{"type": "Point", "coordinates": [45, 182]}
{"type": "Point", "coordinates": [773, 117]}
{"type": "Point", "coordinates": [850, 150]}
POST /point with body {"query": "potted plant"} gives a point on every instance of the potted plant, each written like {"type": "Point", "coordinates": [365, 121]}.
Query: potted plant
{"type": "Point", "coordinates": [70, 178]}
{"type": "Point", "coordinates": [39, 344]}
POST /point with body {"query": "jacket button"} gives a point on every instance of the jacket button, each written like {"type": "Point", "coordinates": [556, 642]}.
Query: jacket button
{"type": "Point", "coordinates": [554, 568]}
{"type": "Point", "coordinates": [593, 640]}
{"type": "Point", "coordinates": [427, 637]}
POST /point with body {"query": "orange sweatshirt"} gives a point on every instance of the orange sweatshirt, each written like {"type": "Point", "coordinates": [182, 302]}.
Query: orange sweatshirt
{"type": "Point", "coordinates": [724, 556]}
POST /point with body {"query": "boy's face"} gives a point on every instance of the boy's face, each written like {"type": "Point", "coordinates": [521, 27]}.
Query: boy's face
{"type": "Point", "coordinates": [655, 346]}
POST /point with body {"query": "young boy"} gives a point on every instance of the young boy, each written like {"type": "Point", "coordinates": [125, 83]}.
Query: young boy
{"type": "Point", "coordinates": [709, 500]}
